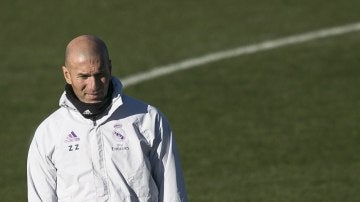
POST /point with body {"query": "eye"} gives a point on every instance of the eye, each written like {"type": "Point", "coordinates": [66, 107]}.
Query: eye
{"type": "Point", "coordinates": [83, 76]}
{"type": "Point", "coordinates": [99, 75]}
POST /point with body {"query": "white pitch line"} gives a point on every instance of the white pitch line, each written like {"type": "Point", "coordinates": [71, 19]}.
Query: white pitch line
{"type": "Point", "coordinates": [242, 50]}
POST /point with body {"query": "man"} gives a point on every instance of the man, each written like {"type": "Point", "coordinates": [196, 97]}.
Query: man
{"type": "Point", "coordinates": [102, 145]}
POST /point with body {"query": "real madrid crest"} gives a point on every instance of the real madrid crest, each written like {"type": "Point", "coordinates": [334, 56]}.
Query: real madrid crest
{"type": "Point", "coordinates": [119, 133]}
{"type": "Point", "coordinates": [119, 136]}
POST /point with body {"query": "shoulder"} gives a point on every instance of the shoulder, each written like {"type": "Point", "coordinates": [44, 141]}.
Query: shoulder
{"type": "Point", "coordinates": [55, 117]}
{"type": "Point", "coordinates": [141, 107]}
{"type": "Point", "coordinates": [148, 117]}
{"type": "Point", "coordinates": [46, 130]}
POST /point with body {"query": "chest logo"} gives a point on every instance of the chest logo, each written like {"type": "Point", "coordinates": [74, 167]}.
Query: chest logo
{"type": "Point", "coordinates": [119, 136]}
{"type": "Point", "coordinates": [118, 133]}
{"type": "Point", "coordinates": [72, 137]}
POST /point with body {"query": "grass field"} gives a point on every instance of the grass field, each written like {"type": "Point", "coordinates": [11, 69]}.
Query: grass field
{"type": "Point", "coordinates": [279, 125]}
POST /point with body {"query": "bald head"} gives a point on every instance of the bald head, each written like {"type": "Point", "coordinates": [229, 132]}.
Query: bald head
{"type": "Point", "coordinates": [88, 68]}
{"type": "Point", "coordinates": [84, 47]}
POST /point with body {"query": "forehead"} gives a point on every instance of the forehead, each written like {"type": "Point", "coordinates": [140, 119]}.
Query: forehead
{"type": "Point", "coordinates": [84, 63]}
{"type": "Point", "coordinates": [86, 54]}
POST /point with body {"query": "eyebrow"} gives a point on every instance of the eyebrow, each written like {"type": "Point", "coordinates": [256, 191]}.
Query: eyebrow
{"type": "Point", "coordinates": [87, 74]}
{"type": "Point", "coordinates": [83, 74]}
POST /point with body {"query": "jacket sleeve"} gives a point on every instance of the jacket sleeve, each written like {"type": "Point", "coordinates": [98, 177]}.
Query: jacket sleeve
{"type": "Point", "coordinates": [166, 164]}
{"type": "Point", "coordinates": [41, 174]}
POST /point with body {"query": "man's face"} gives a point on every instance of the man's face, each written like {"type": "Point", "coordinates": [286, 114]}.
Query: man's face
{"type": "Point", "coordinates": [89, 78]}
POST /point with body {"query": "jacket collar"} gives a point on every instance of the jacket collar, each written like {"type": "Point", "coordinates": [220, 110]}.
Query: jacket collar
{"type": "Point", "coordinates": [116, 98]}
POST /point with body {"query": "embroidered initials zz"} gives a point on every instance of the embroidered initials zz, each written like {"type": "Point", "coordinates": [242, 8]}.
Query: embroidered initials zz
{"type": "Point", "coordinates": [73, 147]}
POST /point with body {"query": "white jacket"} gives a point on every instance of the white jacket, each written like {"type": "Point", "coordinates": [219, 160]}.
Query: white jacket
{"type": "Point", "coordinates": [127, 155]}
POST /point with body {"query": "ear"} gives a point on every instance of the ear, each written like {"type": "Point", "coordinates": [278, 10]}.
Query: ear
{"type": "Point", "coordinates": [67, 75]}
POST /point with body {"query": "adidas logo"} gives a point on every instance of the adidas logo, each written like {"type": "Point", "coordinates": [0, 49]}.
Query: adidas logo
{"type": "Point", "coordinates": [87, 112]}
{"type": "Point", "coordinates": [72, 137]}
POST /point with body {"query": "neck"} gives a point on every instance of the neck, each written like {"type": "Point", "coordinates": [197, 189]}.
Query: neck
{"type": "Point", "coordinates": [89, 110]}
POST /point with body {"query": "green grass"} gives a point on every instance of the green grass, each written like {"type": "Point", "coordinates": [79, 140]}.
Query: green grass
{"type": "Point", "coordinates": [273, 126]}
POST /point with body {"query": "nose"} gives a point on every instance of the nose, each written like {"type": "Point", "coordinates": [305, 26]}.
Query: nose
{"type": "Point", "coordinates": [93, 83]}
